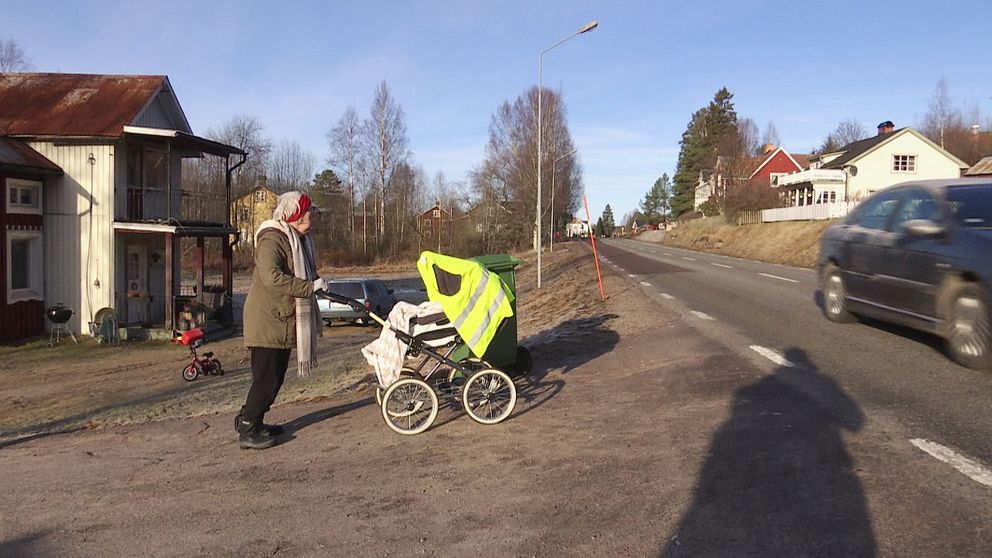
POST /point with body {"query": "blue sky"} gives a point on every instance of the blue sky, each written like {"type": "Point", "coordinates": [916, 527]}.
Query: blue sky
{"type": "Point", "coordinates": [630, 86]}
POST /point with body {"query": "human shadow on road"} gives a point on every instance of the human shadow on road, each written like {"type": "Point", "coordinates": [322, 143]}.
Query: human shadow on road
{"type": "Point", "coordinates": [778, 480]}
{"type": "Point", "coordinates": [310, 419]}
{"type": "Point", "coordinates": [26, 546]}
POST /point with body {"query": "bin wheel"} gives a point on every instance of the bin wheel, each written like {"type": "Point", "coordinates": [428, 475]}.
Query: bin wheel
{"type": "Point", "coordinates": [472, 364]}
{"type": "Point", "coordinates": [524, 361]}
{"type": "Point", "coordinates": [489, 396]}
{"type": "Point", "coordinates": [409, 406]}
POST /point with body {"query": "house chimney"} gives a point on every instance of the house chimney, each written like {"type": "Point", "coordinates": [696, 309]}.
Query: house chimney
{"type": "Point", "coordinates": [767, 148]}
{"type": "Point", "coordinates": [885, 127]}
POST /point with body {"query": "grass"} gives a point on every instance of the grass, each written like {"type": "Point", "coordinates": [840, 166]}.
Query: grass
{"type": "Point", "coordinates": [795, 243]}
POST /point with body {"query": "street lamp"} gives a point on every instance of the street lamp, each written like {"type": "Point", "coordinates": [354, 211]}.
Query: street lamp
{"type": "Point", "coordinates": [554, 172]}
{"type": "Point", "coordinates": [540, 136]}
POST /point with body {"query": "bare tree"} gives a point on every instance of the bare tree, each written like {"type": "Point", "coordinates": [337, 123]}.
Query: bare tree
{"type": "Point", "coordinates": [771, 136]}
{"type": "Point", "coordinates": [12, 57]}
{"type": "Point", "coordinates": [846, 133]}
{"type": "Point", "coordinates": [386, 142]}
{"type": "Point", "coordinates": [941, 116]}
{"type": "Point", "coordinates": [747, 129]}
{"type": "Point", "coordinates": [290, 167]}
{"type": "Point", "coordinates": [344, 141]}
{"type": "Point", "coordinates": [245, 132]}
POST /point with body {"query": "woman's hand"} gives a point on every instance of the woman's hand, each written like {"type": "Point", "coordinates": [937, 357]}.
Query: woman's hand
{"type": "Point", "coordinates": [320, 284]}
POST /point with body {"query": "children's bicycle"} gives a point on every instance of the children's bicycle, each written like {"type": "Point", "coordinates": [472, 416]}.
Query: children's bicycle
{"type": "Point", "coordinates": [206, 364]}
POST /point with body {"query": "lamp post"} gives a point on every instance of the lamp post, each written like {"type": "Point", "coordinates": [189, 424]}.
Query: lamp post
{"type": "Point", "coordinates": [540, 137]}
{"type": "Point", "coordinates": [551, 216]}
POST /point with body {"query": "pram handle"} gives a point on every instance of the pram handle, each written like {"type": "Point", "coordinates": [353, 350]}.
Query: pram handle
{"type": "Point", "coordinates": [355, 305]}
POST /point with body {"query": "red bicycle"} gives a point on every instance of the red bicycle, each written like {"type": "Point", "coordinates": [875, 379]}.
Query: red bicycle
{"type": "Point", "coordinates": [205, 364]}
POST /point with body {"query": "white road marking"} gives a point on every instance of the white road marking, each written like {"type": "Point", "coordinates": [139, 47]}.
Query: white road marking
{"type": "Point", "coordinates": [722, 265]}
{"type": "Point", "coordinates": [631, 275]}
{"type": "Point", "coordinates": [773, 356]}
{"type": "Point", "coordinates": [688, 258]}
{"type": "Point", "coordinates": [968, 467]}
{"type": "Point", "coordinates": [701, 315]}
{"type": "Point", "coordinates": [777, 277]}
{"type": "Point", "coordinates": [668, 253]}
{"type": "Point", "coordinates": [645, 283]}
{"type": "Point", "coordinates": [667, 296]}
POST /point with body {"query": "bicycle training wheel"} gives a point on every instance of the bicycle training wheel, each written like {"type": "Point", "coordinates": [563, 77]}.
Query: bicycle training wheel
{"type": "Point", "coordinates": [409, 406]}
{"type": "Point", "coordinates": [489, 396]}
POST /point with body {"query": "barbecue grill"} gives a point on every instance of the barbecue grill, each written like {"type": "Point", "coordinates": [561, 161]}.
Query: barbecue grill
{"type": "Point", "coordinates": [59, 315]}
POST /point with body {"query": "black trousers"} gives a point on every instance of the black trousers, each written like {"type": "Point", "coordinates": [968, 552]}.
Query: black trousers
{"type": "Point", "coordinates": [268, 370]}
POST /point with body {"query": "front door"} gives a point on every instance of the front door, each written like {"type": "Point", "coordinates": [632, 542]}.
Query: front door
{"type": "Point", "coordinates": [137, 283]}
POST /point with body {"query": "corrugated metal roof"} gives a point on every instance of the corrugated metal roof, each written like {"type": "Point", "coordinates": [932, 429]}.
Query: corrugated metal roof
{"type": "Point", "coordinates": [72, 104]}
{"type": "Point", "coordinates": [981, 168]}
{"type": "Point", "coordinates": [13, 153]}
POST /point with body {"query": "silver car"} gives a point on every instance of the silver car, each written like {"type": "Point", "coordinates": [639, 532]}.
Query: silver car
{"type": "Point", "coordinates": [373, 293]}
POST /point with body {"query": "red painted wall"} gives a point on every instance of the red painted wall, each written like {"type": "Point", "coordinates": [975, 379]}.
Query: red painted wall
{"type": "Point", "coordinates": [779, 163]}
{"type": "Point", "coordinates": [25, 318]}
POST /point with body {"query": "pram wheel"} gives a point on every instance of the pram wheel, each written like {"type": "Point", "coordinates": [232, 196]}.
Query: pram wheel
{"type": "Point", "coordinates": [409, 406]}
{"type": "Point", "coordinates": [472, 364]}
{"type": "Point", "coordinates": [405, 372]}
{"type": "Point", "coordinates": [489, 396]}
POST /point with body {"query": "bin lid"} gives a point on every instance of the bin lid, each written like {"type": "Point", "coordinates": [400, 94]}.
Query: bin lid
{"type": "Point", "coordinates": [498, 262]}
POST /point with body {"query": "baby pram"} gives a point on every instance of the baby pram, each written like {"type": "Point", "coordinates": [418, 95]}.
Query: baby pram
{"type": "Point", "coordinates": [427, 337]}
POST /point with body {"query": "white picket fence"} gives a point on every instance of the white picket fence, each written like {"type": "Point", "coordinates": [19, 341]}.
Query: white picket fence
{"type": "Point", "coordinates": [814, 212]}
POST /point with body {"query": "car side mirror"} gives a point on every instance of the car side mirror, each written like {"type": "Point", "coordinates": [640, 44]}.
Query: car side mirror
{"type": "Point", "coordinates": [923, 228]}
{"type": "Point", "coordinates": [390, 291]}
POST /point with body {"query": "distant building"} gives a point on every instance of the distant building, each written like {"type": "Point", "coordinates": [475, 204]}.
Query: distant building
{"type": "Point", "coordinates": [434, 226]}
{"type": "Point", "coordinates": [248, 212]}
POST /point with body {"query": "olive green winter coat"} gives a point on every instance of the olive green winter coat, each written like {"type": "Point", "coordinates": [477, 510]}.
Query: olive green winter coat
{"type": "Point", "coordinates": [270, 311]}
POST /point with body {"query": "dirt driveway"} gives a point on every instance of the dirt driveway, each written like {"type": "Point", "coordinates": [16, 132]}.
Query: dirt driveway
{"type": "Point", "coordinates": [634, 435]}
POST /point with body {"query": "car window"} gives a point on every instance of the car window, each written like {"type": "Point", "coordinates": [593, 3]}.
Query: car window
{"type": "Point", "coordinates": [971, 206]}
{"type": "Point", "coordinates": [876, 210]}
{"type": "Point", "coordinates": [917, 204]}
{"type": "Point", "coordinates": [350, 289]}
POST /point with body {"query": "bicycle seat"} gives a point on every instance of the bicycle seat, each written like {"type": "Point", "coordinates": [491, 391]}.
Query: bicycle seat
{"type": "Point", "coordinates": [208, 354]}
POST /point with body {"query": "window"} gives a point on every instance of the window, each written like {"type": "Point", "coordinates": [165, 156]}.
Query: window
{"type": "Point", "coordinates": [243, 214]}
{"type": "Point", "coordinates": [427, 223]}
{"type": "Point", "coordinates": [971, 205]}
{"type": "Point", "coordinates": [917, 205]}
{"type": "Point", "coordinates": [904, 163]}
{"type": "Point", "coordinates": [437, 213]}
{"type": "Point", "coordinates": [260, 196]}
{"type": "Point", "coordinates": [24, 266]}
{"type": "Point", "coordinates": [874, 212]}
{"type": "Point", "coordinates": [23, 196]}
{"type": "Point", "coordinates": [773, 178]}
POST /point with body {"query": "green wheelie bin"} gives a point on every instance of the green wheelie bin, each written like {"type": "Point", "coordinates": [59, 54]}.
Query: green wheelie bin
{"type": "Point", "coordinates": [503, 351]}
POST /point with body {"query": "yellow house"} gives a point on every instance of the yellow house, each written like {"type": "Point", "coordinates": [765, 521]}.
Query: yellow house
{"type": "Point", "coordinates": [248, 212]}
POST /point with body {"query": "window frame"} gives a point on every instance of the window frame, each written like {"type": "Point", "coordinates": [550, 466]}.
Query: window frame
{"type": "Point", "coordinates": [21, 184]}
{"type": "Point", "coordinates": [910, 163]}
{"type": "Point", "coordinates": [36, 263]}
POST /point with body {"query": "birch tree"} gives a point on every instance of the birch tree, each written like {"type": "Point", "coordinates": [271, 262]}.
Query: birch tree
{"type": "Point", "coordinates": [12, 57]}
{"type": "Point", "coordinates": [386, 140]}
{"type": "Point", "coordinates": [344, 141]}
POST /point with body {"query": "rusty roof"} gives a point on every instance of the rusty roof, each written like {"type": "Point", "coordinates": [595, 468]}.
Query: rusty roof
{"type": "Point", "coordinates": [981, 168]}
{"type": "Point", "coordinates": [72, 104]}
{"type": "Point", "coordinates": [18, 156]}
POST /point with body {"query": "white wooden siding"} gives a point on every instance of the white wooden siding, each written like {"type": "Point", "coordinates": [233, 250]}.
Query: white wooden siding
{"type": "Point", "coordinates": [79, 267]}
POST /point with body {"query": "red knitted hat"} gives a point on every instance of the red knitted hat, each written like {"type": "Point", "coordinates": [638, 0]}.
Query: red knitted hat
{"type": "Point", "coordinates": [299, 213]}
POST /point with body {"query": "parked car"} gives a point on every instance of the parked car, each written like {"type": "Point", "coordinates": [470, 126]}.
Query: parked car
{"type": "Point", "coordinates": [373, 293]}
{"type": "Point", "coordinates": [918, 254]}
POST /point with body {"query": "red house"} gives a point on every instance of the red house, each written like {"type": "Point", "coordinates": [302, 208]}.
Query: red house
{"type": "Point", "coordinates": [777, 162]}
{"type": "Point", "coordinates": [22, 284]}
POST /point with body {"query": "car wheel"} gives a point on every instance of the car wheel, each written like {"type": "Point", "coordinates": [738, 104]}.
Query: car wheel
{"type": "Point", "coordinates": [968, 329]}
{"type": "Point", "coordinates": [834, 295]}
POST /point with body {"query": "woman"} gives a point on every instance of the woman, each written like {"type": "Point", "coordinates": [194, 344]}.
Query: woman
{"type": "Point", "coordinates": [280, 314]}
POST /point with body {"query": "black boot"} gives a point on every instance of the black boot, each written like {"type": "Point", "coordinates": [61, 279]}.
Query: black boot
{"type": "Point", "coordinates": [253, 437]}
{"type": "Point", "coordinates": [271, 429]}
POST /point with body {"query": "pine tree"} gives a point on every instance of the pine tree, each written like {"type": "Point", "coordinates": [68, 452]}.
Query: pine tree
{"type": "Point", "coordinates": [656, 201]}
{"type": "Point", "coordinates": [607, 220]}
{"type": "Point", "coordinates": [709, 132]}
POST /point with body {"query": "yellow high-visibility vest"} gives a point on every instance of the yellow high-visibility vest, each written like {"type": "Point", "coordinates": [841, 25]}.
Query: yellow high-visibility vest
{"type": "Point", "coordinates": [474, 299]}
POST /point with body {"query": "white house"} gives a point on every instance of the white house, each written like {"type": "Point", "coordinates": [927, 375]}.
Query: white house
{"type": "Point", "coordinates": [869, 165]}
{"type": "Point", "coordinates": [116, 216]}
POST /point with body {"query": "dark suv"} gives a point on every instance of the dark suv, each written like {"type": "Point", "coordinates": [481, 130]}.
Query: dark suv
{"type": "Point", "coordinates": [917, 254]}
{"type": "Point", "coordinates": [370, 292]}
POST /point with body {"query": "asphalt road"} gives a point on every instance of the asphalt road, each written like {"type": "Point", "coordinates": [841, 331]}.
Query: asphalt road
{"type": "Point", "coordinates": [768, 311]}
